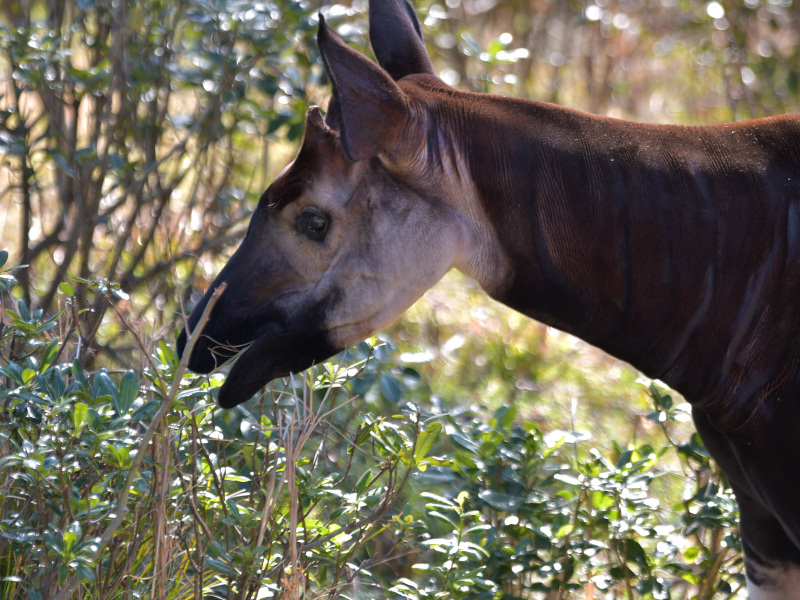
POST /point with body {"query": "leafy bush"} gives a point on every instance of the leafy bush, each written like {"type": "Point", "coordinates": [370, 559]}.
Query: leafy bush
{"type": "Point", "coordinates": [125, 485]}
{"type": "Point", "coordinates": [132, 484]}
{"type": "Point", "coordinates": [550, 514]}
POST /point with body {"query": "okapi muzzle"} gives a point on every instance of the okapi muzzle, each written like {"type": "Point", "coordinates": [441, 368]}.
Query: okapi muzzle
{"type": "Point", "coordinates": [676, 249]}
{"type": "Point", "coordinates": [263, 329]}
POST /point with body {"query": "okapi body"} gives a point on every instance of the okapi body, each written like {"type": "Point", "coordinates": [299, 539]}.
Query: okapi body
{"type": "Point", "coordinates": [676, 249]}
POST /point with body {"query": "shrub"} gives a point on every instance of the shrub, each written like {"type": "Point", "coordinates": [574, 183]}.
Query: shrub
{"type": "Point", "coordinates": [132, 484]}
{"type": "Point", "coordinates": [125, 485]}
{"type": "Point", "coordinates": [538, 512]}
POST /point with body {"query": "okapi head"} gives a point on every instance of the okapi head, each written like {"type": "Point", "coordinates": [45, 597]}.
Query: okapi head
{"type": "Point", "coordinates": [355, 229]}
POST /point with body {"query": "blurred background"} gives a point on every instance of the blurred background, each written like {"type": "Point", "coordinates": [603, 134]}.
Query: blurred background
{"type": "Point", "coordinates": [136, 138]}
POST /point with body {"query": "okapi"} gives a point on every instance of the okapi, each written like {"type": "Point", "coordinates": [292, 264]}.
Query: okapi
{"type": "Point", "coordinates": [676, 249]}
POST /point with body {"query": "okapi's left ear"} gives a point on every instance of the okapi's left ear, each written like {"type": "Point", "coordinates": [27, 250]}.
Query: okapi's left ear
{"type": "Point", "coordinates": [371, 108]}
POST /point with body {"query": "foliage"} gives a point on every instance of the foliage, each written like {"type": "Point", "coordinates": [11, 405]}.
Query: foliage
{"type": "Point", "coordinates": [98, 494]}
{"type": "Point", "coordinates": [298, 492]}
{"type": "Point", "coordinates": [131, 130]}
{"type": "Point", "coordinates": [134, 137]}
{"type": "Point", "coordinates": [552, 514]}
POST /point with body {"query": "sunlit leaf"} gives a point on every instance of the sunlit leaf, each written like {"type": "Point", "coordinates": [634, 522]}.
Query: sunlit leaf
{"type": "Point", "coordinates": [426, 440]}
{"type": "Point", "coordinates": [79, 413]}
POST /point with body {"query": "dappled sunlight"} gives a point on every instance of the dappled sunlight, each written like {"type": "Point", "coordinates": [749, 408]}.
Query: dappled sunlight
{"type": "Point", "coordinates": [466, 452]}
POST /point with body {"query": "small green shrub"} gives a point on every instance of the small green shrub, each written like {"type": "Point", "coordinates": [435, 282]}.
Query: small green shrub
{"type": "Point", "coordinates": [558, 517]}
{"type": "Point", "coordinates": [100, 498]}
{"type": "Point", "coordinates": [132, 484]}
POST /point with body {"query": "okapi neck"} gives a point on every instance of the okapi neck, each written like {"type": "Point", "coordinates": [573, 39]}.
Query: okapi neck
{"type": "Point", "coordinates": [630, 236]}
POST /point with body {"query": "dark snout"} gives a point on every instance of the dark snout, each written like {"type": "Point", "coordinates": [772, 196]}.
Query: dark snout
{"type": "Point", "coordinates": [277, 352]}
{"type": "Point", "coordinates": [268, 346]}
{"type": "Point", "coordinates": [202, 359]}
{"type": "Point", "coordinates": [235, 319]}
{"type": "Point", "coordinates": [221, 338]}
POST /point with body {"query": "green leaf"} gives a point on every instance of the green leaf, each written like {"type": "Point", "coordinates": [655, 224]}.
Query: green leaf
{"type": "Point", "coordinates": [691, 554]}
{"type": "Point", "coordinates": [122, 456]}
{"type": "Point", "coordinates": [3, 257]}
{"type": "Point", "coordinates": [145, 411]}
{"type": "Point", "coordinates": [505, 415]}
{"type": "Point", "coordinates": [79, 374]}
{"type": "Point", "coordinates": [128, 388]}
{"type": "Point", "coordinates": [28, 375]}
{"type": "Point", "coordinates": [166, 354]}
{"type": "Point", "coordinates": [426, 440]}
{"type": "Point", "coordinates": [465, 443]}
{"type": "Point", "coordinates": [692, 578]}
{"type": "Point", "coordinates": [500, 501]}
{"type": "Point", "coordinates": [390, 388]}
{"type": "Point", "coordinates": [23, 311]}
{"type": "Point", "coordinates": [49, 355]}
{"type": "Point", "coordinates": [103, 386]}
{"type": "Point", "coordinates": [13, 371]}
{"type": "Point", "coordinates": [601, 501]}
{"type": "Point", "coordinates": [363, 481]}
{"type": "Point", "coordinates": [364, 434]}
{"type": "Point", "coordinates": [85, 573]}
{"type": "Point", "coordinates": [218, 565]}
{"type": "Point", "coordinates": [635, 553]}
{"type": "Point", "coordinates": [565, 529]}
{"type": "Point", "coordinates": [79, 413]}
{"type": "Point", "coordinates": [233, 508]}
{"type": "Point", "coordinates": [70, 539]}
{"type": "Point", "coordinates": [7, 282]}
{"type": "Point", "coordinates": [443, 517]}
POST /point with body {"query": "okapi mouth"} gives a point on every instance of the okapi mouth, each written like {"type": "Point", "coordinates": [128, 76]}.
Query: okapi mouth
{"type": "Point", "coordinates": [277, 351]}
{"type": "Point", "coordinates": [209, 353]}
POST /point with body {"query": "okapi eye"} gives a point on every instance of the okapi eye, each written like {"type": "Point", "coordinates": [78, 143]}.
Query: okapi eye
{"type": "Point", "coordinates": [313, 224]}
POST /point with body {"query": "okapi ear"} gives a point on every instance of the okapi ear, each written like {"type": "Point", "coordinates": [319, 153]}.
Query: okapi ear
{"type": "Point", "coordinates": [371, 108]}
{"type": "Point", "coordinates": [396, 38]}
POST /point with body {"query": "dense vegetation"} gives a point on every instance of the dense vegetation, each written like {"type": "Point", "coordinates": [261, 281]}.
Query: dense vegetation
{"type": "Point", "coordinates": [469, 453]}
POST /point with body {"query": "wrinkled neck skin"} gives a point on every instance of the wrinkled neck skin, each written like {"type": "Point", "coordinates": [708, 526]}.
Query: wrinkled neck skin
{"type": "Point", "coordinates": [672, 248]}
{"type": "Point", "coordinates": [431, 161]}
